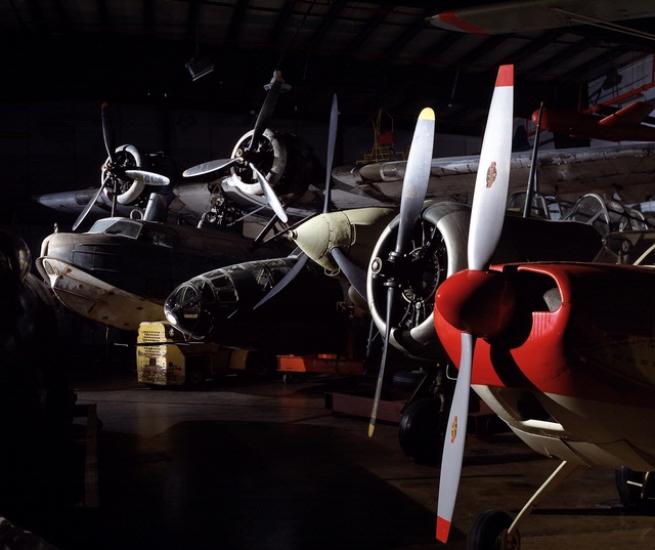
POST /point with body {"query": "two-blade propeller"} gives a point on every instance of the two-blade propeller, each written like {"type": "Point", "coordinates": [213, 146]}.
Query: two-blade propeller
{"type": "Point", "coordinates": [112, 171]}
{"type": "Point", "coordinates": [415, 187]}
{"type": "Point", "coordinates": [245, 156]}
{"type": "Point", "coordinates": [487, 218]}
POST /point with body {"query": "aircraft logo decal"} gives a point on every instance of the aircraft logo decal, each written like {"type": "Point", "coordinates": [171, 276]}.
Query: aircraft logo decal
{"type": "Point", "coordinates": [453, 430]}
{"type": "Point", "coordinates": [492, 173]}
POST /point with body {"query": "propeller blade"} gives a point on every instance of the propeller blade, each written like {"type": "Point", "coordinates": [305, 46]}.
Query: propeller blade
{"type": "Point", "coordinates": [267, 109]}
{"type": "Point", "coordinates": [487, 218]}
{"type": "Point", "coordinates": [89, 205]}
{"type": "Point", "coordinates": [383, 362]}
{"type": "Point", "coordinates": [492, 181]}
{"type": "Point", "coordinates": [284, 281]}
{"type": "Point", "coordinates": [107, 133]}
{"type": "Point", "coordinates": [329, 160]}
{"type": "Point", "coordinates": [209, 167]}
{"type": "Point", "coordinates": [453, 449]}
{"type": "Point", "coordinates": [271, 197]}
{"type": "Point", "coordinates": [149, 178]}
{"type": "Point", "coordinates": [356, 275]}
{"type": "Point", "coordinates": [417, 176]}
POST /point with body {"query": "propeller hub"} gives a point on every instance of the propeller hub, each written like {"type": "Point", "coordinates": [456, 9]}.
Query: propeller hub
{"type": "Point", "coordinates": [481, 303]}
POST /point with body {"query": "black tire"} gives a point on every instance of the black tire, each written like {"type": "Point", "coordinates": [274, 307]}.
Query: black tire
{"type": "Point", "coordinates": [419, 432]}
{"type": "Point", "coordinates": [631, 495]}
{"type": "Point", "coordinates": [486, 530]}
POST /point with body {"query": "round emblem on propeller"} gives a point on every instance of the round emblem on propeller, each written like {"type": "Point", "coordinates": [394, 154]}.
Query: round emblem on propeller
{"type": "Point", "coordinates": [492, 173]}
{"type": "Point", "coordinates": [453, 430]}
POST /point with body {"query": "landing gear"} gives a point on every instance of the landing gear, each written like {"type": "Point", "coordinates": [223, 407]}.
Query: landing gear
{"type": "Point", "coordinates": [422, 422]}
{"type": "Point", "coordinates": [636, 489]}
{"type": "Point", "coordinates": [420, 431]}
{"type": "Point", "coordinates": [489, 532]}
{"type": "Point", "coordinates": [496, 530]}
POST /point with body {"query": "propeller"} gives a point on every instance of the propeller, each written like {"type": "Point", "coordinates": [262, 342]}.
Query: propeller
{"type": "Point", "coordinates": [271, 197]}
{"type": "Point", "coordinates": [415, 187]}
{"type": "Point", "coordinates": [487, 218]}
{"type": "Point", "coordinates": [112, 171]}
{"type": "Point", "coordinates": [291, 275]}
{"type": "Point", "coordinates": [247, 155]}
{"type": "Point", "coordinates": [274, 88]}
{"type": "Point", "coordinates": [210, 167]}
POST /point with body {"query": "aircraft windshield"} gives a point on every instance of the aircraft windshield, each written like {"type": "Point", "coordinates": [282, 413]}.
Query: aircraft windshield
{"type": "Point", "coordinates": [117, 226]}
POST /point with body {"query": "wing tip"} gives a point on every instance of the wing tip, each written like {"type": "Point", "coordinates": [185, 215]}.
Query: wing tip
{"type": "Point", "coordinates": [505, 76]}
{"type": "Point", "coordinates": [443, 529]}
{"type": "Point", "coordinates": [426, 114]}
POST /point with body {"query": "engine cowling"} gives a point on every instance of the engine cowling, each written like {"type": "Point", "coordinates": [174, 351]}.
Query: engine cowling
{"type": "Point", "coordinates": [439, 243]}
{"type": "Point", "coordinates": [288, 164]}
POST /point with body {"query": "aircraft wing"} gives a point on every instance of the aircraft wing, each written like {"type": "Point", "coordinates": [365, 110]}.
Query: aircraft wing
{"type": "Point", "coordinates": [566, 171]}
{"type": "Point", "coordinates": [630, 115]}
{"type": "Point", "coordinates": [521, 16]}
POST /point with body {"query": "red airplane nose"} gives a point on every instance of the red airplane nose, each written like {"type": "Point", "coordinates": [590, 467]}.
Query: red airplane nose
{"type": "Point", "coordinates": [478, 302]}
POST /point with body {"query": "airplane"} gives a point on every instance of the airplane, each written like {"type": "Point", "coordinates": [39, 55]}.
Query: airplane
{"type": "Point", "coordinates": [560, 351]}
{"type": "Point", "coordinates": [519, 16]}
{"type": "Point", "coordinates": [603, 120]}
{"type": "Point", "coordinates": [119, 272]}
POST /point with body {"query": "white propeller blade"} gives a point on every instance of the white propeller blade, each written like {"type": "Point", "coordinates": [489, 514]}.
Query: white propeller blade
{"type": "Point", "coordinates": [271, 197]}
{"type": "Point", "coordinates": [415, 187]}
{"type": "Point", "coordinates": [209, 167]}
{"type": "Point", "coordinates": [487, 217]}
{"type": "Point", "coordinates": [453, 450]}
{"type": "Point", "coordinates": [491, 183]}
{"type": "Point", "coordinates": [149, 178]}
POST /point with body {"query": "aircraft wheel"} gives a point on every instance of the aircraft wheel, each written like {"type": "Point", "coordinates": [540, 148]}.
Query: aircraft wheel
{"type": "Point", "coordinates": [635, 488]}
{"type": "Point", "coordinates": [489, 532]}
{"type": "Point", "coordinates": [419, 432]}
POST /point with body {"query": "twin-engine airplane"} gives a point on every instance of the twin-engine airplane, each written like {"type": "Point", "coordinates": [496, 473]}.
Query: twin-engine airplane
{"type": "Point", "coordinates": [562, 352]}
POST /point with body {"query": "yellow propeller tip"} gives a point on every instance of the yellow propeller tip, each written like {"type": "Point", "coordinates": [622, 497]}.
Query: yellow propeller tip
{"type": "Point", "coordinates": [371, 430]}
{"type": "Point", "coordinates": [426, 114]}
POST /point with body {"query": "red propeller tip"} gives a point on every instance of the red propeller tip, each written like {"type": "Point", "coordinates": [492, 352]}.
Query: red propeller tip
{"type": "Point", "coordinates": [505, 76]}
{"type": "Point", "coordinates": [443, 530]}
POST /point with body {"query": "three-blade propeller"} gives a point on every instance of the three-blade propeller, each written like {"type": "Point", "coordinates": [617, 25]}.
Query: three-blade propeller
{"type": "Point", "coordinates": [111, 171]}
{"type": "Point", "coordinates": [245, 157]}
{"type": "Point", "coordinates": [302, 259]}
{"type": "Point", "coordinates": [415, 187]}
{"type": "Point", "coordinates": [487, 218]}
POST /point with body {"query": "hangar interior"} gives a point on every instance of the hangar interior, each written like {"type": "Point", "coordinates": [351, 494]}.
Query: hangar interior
{"type": "Point", "coordinates": [327, 273]}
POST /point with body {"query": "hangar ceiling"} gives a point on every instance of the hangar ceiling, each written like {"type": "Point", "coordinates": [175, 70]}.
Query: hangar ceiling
{"type": "Point", "coordinates": [374, 54]}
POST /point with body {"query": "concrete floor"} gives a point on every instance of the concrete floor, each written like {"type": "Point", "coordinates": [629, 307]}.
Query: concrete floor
{"type": "Point", "coordinates": [266, 466]}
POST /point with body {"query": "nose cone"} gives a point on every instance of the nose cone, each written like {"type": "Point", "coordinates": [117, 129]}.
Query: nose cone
{"type": "Point", "coordinates": [187, 308]}
{"type": "Point", "coordinates": [481, 303]}
{"type": "Point", "coordinates": [319, 234]}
